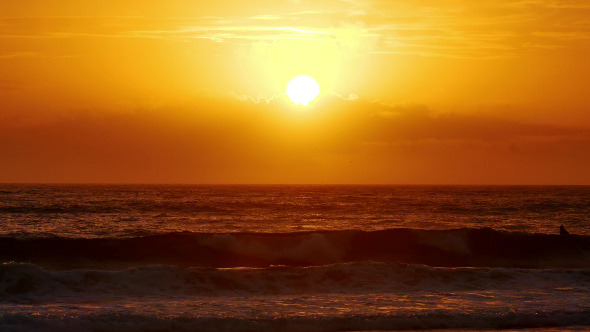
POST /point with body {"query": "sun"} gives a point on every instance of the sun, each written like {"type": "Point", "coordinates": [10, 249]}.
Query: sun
{"type": "Point", "coordinates": [302, 89]}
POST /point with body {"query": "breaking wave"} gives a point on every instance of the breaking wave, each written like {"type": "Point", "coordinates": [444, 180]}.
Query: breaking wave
{"type": "Point", "coordinates": [20, 282]}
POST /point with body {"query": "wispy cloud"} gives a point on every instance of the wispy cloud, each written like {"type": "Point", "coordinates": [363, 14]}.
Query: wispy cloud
{"type": "Point", "coordinates": [8, 85]}
{"type": "Point", "coordinates": [10, 55]}
{"type": "Point", "coordinates": [462, 29]}
{"type": "Point", "coordinates": [566, 36]}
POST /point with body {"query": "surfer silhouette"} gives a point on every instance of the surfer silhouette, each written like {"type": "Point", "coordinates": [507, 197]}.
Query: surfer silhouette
{"type": "Point", "coordinates": [563, 231]}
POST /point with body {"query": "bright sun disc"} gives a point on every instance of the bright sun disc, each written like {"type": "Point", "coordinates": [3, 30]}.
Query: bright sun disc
{"type": "Point", "coordinates": [302, 89]}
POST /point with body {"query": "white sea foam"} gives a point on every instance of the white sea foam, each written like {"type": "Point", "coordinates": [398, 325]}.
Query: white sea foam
{"type": "Point", "coordinates": [29, 282]}
{"type": "Point", "coordinates": [313, 248]}
{"type": "Point", "coordinates": [452, 242]}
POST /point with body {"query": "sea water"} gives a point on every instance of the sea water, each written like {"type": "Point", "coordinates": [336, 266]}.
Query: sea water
{"type": "Point", "coordinates": [293, 258]}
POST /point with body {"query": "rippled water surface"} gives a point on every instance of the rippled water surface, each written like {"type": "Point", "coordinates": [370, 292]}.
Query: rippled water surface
{"type": "Point", "coordinates": [106, 211]}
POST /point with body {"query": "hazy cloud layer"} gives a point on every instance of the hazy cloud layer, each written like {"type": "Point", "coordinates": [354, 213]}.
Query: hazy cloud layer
{"type": "Point", "coordinates": [337, 141]}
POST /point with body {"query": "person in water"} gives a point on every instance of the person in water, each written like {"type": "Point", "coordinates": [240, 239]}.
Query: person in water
{"type": "Point", "coordinates": [563, 231]}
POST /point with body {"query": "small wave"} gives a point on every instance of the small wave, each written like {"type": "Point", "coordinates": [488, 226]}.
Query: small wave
{"type": "Point", "coordinates": [31, 282]}
{"type": "Point", "coordinates": [440, 319]}
{"type": "Point", "coordinates": [446, 248]}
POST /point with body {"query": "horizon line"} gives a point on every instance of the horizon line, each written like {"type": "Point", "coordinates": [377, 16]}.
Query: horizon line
{"type": "Point", "coordinates": [297, 184]}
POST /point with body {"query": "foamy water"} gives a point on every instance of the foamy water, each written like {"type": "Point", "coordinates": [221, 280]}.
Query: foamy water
{"type": "Point", "coordinates": [293, 258]}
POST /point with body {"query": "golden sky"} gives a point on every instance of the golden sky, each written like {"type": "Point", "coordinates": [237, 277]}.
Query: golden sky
{"type": "Point", "coordinates": [429, 92]}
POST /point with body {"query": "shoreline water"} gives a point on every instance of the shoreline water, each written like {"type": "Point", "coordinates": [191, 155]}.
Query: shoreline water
{"type": "Point", "coordinates": [293, 258]}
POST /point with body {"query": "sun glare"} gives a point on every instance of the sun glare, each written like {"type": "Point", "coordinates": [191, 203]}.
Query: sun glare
{"type": "Point", "coordinates": [302, 89]}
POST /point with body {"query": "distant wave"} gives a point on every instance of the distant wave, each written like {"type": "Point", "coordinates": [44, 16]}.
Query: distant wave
{"type": "Point", "coordinates": [116, 207]}
{"type": "Point", "coordinates": [444, 248]}
{"type": "Point", "coordinates": [27, 282]}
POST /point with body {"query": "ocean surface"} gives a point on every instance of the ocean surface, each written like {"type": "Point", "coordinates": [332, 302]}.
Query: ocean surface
{"type": "Point", "coordinates": [293, 258]}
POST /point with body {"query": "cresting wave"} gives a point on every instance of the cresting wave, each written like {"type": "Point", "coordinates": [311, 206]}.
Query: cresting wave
{"type": "Point", "coordinates": [20, 282]}
{"type": "Point", "coordinates": [445, 248]}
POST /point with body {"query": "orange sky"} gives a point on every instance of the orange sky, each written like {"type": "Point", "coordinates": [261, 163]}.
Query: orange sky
{"type": "Point", "coordinates": [453, 92]}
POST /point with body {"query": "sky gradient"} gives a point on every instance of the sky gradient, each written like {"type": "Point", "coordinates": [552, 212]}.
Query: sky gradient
{"type": "Point", "coordinates": [412, 92]}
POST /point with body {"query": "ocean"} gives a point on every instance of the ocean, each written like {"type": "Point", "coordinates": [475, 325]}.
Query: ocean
{"type": "Point", "coordinates": [293, 258]}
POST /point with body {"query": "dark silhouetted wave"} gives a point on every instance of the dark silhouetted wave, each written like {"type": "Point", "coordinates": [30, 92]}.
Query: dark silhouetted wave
{"type": "Point", "coordinates": [444, 248]}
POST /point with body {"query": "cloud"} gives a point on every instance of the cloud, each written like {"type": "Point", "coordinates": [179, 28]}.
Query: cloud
{"type": "Point", "coordinates": [374, 121]}
{"type": "Point", "coordinates": [240, 141]}
{"type": "Point", "coordinates": [462, 29]}
{"type": "Point", "coordinates": [10, 55]}
{"type": "Point", "coordinates": [9, 85]}
{"type": "Point", "coordinates": [567, 36]}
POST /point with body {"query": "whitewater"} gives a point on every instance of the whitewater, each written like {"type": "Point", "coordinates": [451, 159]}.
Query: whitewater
{"type": "Point", "coordinates": [293, 258]}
